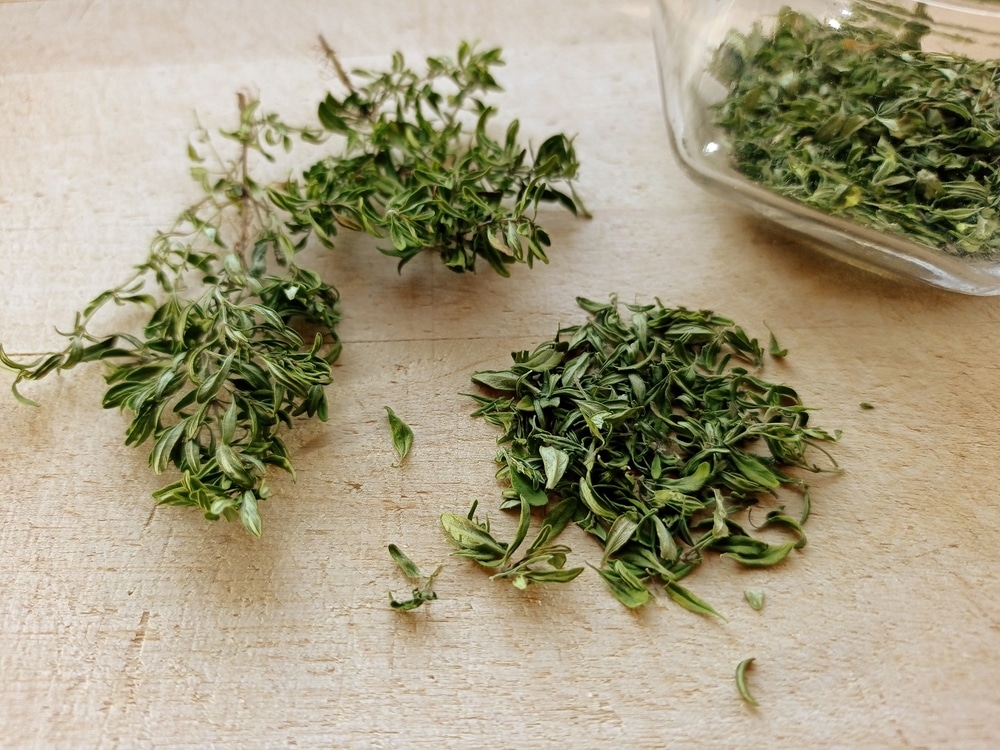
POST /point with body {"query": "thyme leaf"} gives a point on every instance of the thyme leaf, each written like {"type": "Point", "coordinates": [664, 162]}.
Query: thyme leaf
{"type": "Point", "coordinates": [402, 435]}
{"type": "Point", "coordinates": [755, 599]}
{"type": "Point", "coordinates": [421, 593]}
{"type": "Point", "coordinates": [741, 681]}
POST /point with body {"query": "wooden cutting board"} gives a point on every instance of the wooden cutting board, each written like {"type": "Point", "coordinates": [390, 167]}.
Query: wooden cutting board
{"type": "Point", "coordinates": [126, 626]}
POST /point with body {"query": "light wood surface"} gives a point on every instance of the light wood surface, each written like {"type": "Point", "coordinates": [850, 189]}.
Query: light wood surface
{"type": "Point", "coordinates": [125, 626]}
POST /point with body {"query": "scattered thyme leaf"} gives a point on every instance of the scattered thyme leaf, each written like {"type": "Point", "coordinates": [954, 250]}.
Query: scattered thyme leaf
{"type": "Point", "coordinates": [423, 592]}
{"type": "Point", "coordinates": [402, 435]}
{"type": "Point", "coordinates": [741, 681]}
{"type": "Point", "coordinates": [755, 599]}
{"type": "Point", "coordinates": [775, 349]}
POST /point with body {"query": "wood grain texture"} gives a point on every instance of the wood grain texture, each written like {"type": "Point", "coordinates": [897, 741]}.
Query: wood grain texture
{"type": "Point", "coordinates": [125, 626]}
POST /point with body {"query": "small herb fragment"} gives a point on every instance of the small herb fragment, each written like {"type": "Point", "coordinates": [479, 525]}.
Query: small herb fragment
{"type": "Point", "coordinates": [423, 592]}
{"type": "Point", "coordinates": [402, 435]}
{"type": "Point", "coordinates": [541, 563]}
{"type": "Point", "coordinates": [755, 599]}
{"type": "Point", "coordinates": [741, 681]}
{"type": "Point", "coordinates": [646, 428]}
{"type": "Point", "coordinates": [775, 349]}
{"type": "Point", "coordinates": [865, 406]}
{"type": "Point", "coordinates": [853, 117]}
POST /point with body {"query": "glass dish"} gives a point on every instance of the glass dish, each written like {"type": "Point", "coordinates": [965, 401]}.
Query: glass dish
{"type": "Point", "coordinates": [688, 35]}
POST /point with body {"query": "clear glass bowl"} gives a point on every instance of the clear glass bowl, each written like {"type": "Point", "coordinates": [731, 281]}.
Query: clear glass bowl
{"type": "Point", "coordinates": [688, 36]}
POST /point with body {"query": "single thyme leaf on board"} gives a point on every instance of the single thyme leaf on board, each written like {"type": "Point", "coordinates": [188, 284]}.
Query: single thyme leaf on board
{"type": "Point", "coordinates": [402, 435]}
{"type": "Point", "coordinates": [650, 428]}
{"type": "Point", "coordinates": [421, 593]}
{"type": "Point", "coordinates": [775, 349]}
{"type": "Point", "coordinates": [755, 599]}
{"type": "Point", "coordinates": [689, 601]}
{"type": "Point", "coordinates": [741, 681]}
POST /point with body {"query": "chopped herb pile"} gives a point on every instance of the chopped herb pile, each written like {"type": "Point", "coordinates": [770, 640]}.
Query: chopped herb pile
{"type": "Point", "coordinates": [648, 429]}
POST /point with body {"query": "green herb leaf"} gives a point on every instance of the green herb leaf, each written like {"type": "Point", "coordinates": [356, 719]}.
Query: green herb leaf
{"type": "Point", "coordinates": [625, 586]}
{"type": "Point", "coordinates": [619, 534]}
{"type": "Point", "coordinates": [741, 681]}
{"type": "Point", "coordinates": [504, 380]}
{"type": "Point", "coordinates": [402, 435]}
{"type": "Point", "coordinates": [690, 602]}
{"type": "Point", "coordinates": [526, 490]}
{"type": "Point", "coordinates": [409, 568]}
{"type": "Point", "coordinates": [775, 349]}
{"type": "Point", "coordinates": [473, 540]}
{"type": "Point", "coordinates": [689, 483]}
{"type": "Point", "coordinates": [422, 593]}
{"type": "Point", "coordinates": [774, 554]}
{"type": "Point", "coordinates": [755, 599]}
{"type": "Point", "coordinates": [555, 463]}
{"type": "Point", "coordinates": [756, 470]}
{"type": "Point", "coordinates": [249, 514]}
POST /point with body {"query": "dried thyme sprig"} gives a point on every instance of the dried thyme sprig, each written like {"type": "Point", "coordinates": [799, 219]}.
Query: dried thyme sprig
{"type": "Point", "coordinates": [402, 435]}
{"type": "Point", "coordinates": [649, 430]}
{"type": "Point", "coordinates": [223, 363]}
{"type": "Point", "coordinates": [421, 168]}
{"type": "Point", "coordinates": [854, 118]}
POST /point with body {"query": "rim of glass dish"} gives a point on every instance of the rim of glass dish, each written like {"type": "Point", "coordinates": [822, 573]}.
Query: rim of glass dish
{"type": "Point", "coordinates": [979, 7]}
{"type": "Point", "coordinates": [963, 274]}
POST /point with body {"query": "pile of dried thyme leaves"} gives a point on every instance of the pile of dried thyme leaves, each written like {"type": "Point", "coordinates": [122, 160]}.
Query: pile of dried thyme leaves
{"type": "Point", "coordinates": [856, 119]}
{"type": "Point", "coordinates": [649, 430]}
